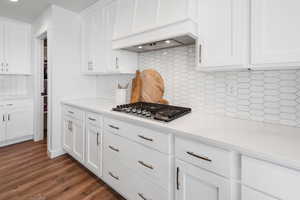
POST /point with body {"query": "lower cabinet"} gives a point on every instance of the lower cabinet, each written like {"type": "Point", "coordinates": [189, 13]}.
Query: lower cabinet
{"type": "Point", "coordinates": [74, 138]}
{"type": "Point", "coordinates": [93, 149]}
{"type": "Point", "coordinates": [2, 126]}
{"type": "Point", "coordinates": [193, 182]}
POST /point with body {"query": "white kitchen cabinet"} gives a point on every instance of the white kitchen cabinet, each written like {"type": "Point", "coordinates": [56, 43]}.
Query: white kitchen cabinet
{"type": "Point", "coordinates": [93, 149]}
{"type": "Point", "coordinates": [124, 18]}
{"type": "Point", "coordinates": [19, 122]}
{"type": "Point", "coordinates": [74, 138]}
{"type": "Point", "coordinates": [67, 134]}
{"type": "Point", "coordinates": [2, 61]}
{"type": "Point", "coordinates": [275, 29]}
{"type": "Point", "coordinates": [2, 126]}
{"type": "Point", "coordinates": [97, 32]}
{"type": "Point", "coordinates": [249, 194]}
{"type": "Point", "coordinates": [193, 183]}
{"type": "Point", "coordinates": [15, 40]}
{"type": "Point", "coordinates": [223, 34]}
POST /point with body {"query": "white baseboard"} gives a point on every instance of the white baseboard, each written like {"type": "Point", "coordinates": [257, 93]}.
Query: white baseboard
{"type": "Point", "coordinates": [55, 153]}
{"type": "Point", "coordinates": [16, 141]}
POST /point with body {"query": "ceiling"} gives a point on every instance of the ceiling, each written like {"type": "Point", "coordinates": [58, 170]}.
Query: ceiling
{"type": "Point", "coordinates": [28, 10]}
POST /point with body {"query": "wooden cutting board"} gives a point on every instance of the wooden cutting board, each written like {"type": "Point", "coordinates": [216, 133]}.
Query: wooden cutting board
{"type": "Point", "coordinates": [153, 87]}
{"type": "Point", "coordinates": [136, 88]}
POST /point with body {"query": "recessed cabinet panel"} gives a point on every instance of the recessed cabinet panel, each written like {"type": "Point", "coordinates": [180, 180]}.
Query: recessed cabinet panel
{"type": "Point", "coordinates": [145, 15]}
{"type": "Point", "coordinates": [275, 32]}
{"type": "Point", "coordinates": [223, 33]}
{"type": "Point", "coordinates": [17, 48]}
{"type": "Point", "coordinates": [249, 194]}
{"type": "Point", "coordinates": [78, 140]}
{"type": "Point", "coordinates": [193, 183]}
{"type": "Point", "coordinates": [67, 134]}
{"type": "Point", "coordinates": [124, 21]}
{"type": "Point", "coordinates": [19, 123]}
{"type": "Point", "coordinates": [93, 149]}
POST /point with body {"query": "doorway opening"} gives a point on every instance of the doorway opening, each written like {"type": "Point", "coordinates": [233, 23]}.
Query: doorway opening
{"type": "Point", "coordinates": [44, 87]}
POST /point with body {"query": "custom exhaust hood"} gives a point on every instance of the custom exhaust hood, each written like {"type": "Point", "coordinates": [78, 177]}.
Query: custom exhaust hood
{"type": "Point", "coordinates": [174, 35]}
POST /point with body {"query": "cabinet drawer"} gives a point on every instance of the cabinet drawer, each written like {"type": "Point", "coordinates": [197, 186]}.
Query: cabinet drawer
{"type": "Point", "coordinates": [208, 157]}
{"type": "Point", "coordinates": [151, 163]}
{"type": "Point", "coordinates": [249, 194]}
{"type": "Point", "coordinates": [272, 179]}
{"type": "Point", "coordinates": [73, 112]}
{"type": "Point", "coordinates": [94, 119]}
{"type": "Point", "coordinates": [147, 137]}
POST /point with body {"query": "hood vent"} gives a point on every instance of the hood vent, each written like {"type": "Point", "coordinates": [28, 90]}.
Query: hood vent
{"type": "Point", "coordinates": [163, 44]}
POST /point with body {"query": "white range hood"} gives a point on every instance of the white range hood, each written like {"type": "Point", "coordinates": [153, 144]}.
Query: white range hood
{"type": "Point", "coordinates": [173, 35]}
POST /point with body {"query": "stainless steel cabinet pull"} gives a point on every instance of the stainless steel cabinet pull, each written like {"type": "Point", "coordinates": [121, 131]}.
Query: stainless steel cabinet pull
{"type": "Point", "coordinates": [177, 178]}
{"type": "Point", "coordinates": [92, 119]}
{"type": "Point", "coordinates": [113, 148]}
{"type": "Point", "coordinates": [145, 165]}
{"type": "Point", "coordinates": [117, 62]}
{"type": "Point", "coordinates": [97, 139]}
{"type": "Point", "coordinates": [71, 112]}
{"type": "Point", "coordinates": [70, 126]}
{"type": "Point", "coordinates": [3, 118]}
{"type": "Point", "coordinates": [197, 156]}
{"type": "Point", "coordinates": [200, 53]}
{"type": "Point", "coordinates": [10, 104]}
{"type": "Point", "coordinates": [8, 117]}
{"type": "Point", "coordinates": [115, 177]}
{"type": "Point", "coordinates": [114, 127]}
{"type": "Point", "coordinates": [142, 196]}
{"type": "Point", "coordinates": [145, 138]}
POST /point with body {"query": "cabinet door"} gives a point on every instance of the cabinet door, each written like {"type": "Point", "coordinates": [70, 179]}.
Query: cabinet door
{"type": "Point", "coordinates": [17, 48]}
{"type": "Point", "coordinates": [78, 140]}
{"type": "Point", "coordinates": [2, 126]}
{"type": "Point", "coordinates": [193, 183]}
{"type": "Point", "coordinates": [67, 134]}
{"type": "Point", "coordinates": [117, 61]}
{"type": "Point", "coordinates": [223, 33]}
{"type": "Point", "coordinates": [2, 69]}
{"type": "Point", "coordinates": [19, 123]}
{"type": "Point", "coordinates": [145, 15]}
{"type": "Point", "coordinates": [93, 149]}
{"type": "Point", "coordinates": [249, 194]}
{"type": "Point", "coordinates": [275, 32]}
{"type": "Point", "coordinates": [124, 20]}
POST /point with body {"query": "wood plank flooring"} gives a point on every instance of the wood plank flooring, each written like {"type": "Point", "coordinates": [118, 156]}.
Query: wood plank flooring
{"type": "Point", "coordinates": [26, 173]}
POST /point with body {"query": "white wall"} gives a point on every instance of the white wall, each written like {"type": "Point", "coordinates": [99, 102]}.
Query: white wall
{"type": "Point", "coordinates": [64, 66]}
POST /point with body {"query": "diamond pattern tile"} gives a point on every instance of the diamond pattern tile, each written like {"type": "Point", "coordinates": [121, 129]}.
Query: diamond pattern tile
{"type": "Point", "coordinates": [268, 96]}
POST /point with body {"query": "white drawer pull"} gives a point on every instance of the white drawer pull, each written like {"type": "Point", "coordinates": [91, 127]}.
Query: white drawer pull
{"type": "Point", "coordinates": [145, 138]}
{"type": "Point", "coordinates": [197, 156]}
{"type": "Point", "coordinates": [142, 196]}
{"type": "Point", "coordinates": [113, 148]}
{"type": "Point", "coordinates": [91, 119]}
{"type": "Point", "coordinates": [112, 175]}
{"type": "Point", "coordinates": [145, 165]}
{"type": "Point", "coordinates": [114, 127]}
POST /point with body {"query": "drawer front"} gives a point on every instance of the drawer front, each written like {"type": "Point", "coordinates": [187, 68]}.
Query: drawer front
{"type": "Point", "coordinates": [73, 112]}
{"type": "Point", "coordinates": [94, 119]}
{"type": "Point", "coordinates": [152, 139]}
{"type": "Point", "coordinates": [151, 163]}
{"type": "Point", "coordinates": [208, 157]}
{"type": "Point", "coordinates": [272, 179]}
{"type": "Point", "coordinates": [249, 194]}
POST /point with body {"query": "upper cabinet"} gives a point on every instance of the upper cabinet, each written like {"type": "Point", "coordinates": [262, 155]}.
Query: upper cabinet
{"type": "Point", "coordinates": [97, 54]}
{"type": "Point", "coordinates": [15, 47]}
{"type": "Point", "coordinates": [223, 34]}
{"type": "Point", "coordinates": [136, 16]}
{"type": "Point", "coordinates": [275, 33]}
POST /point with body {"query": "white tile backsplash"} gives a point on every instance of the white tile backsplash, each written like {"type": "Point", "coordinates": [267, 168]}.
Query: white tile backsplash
{"type": "Point", "coordinates": [13, 86]}
{"type": "Point", "coordinates": [269, 96]}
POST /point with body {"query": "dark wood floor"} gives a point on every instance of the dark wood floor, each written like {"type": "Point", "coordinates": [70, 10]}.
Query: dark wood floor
{"type": "Point", "coordinates": [26, 173]}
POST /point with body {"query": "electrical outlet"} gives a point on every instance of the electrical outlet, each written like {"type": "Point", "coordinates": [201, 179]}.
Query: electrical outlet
{"type": "Point", "coordinates": [231, 89]}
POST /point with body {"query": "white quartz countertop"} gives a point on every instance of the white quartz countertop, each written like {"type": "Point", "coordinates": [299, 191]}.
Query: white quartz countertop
{"type": "Point", "coordinates": [274, 143]}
